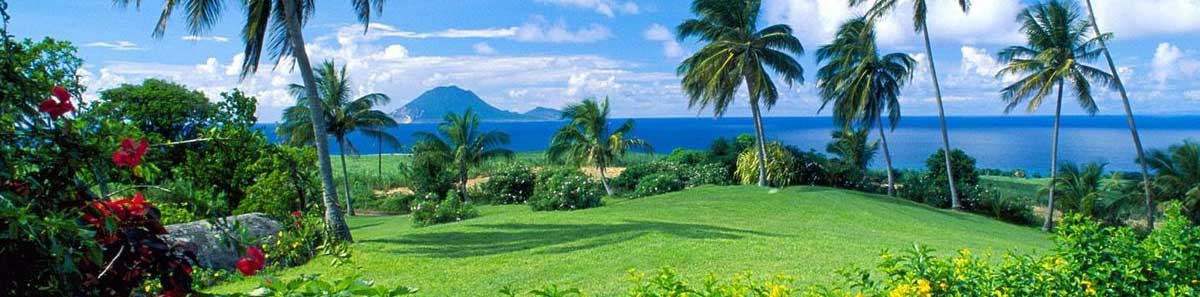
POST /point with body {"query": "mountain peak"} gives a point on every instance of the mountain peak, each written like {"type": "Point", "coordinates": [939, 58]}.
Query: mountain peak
{"type": "Point", "coordinates": [435, 103]}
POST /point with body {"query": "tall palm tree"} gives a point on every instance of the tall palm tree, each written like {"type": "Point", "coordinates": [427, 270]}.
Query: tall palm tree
{"type": "Point", "coordinates": [861, 84]}
{"type": "Point", "coordinates": [277, 24]}
{"type": "Point", "coordinates": [1137, 140]}
{"type": "Point", "coordinates": [920, 24]}
{"type": "Point", "coordinates": [1178, 170]}
{"type": "Point", "coordinates": [463, 143]}
{"type": "Point", "coordinates": [853, 147]}
{"type": "Point", "coordinates": [586, 139]}
{"type": "Point", "coordinates": [738, 52]}
{"type": "Point", "coordinates": [1058, 44]}
{"type": "Point", "coordinates": [341, 114]}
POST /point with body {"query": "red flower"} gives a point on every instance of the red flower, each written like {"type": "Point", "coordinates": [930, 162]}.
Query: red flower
{"type": "Point", "coordinates": [57, 108]}
{"type": "Point", "coordinates": [129, 155]}
{"type": "Point", "coordinates": [296, 214]}
{"type": "Point", "coordinates": [252, 262]}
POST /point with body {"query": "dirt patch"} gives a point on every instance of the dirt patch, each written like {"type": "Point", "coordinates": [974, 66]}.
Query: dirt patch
{"type": "Point", "coordinates": [609, 172]}
{"type": "Point", "coordinates": [394, 191]}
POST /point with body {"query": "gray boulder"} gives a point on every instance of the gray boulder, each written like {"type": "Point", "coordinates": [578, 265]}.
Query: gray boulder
{"type": "Point", "coordinates": [206, 239]}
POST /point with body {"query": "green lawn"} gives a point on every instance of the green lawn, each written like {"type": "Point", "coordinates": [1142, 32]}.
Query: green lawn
{"type": "Point", "coordinates": [806, 232]}
{"type": "Point", "coordinates": [1016, 188]}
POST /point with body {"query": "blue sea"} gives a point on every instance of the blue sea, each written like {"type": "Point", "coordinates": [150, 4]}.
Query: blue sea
{"type": "Point", "coordinates": [1001, 142]}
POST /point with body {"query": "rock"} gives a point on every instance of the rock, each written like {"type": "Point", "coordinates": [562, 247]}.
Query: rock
{"type": "Point", "coordinates": [206, 240]}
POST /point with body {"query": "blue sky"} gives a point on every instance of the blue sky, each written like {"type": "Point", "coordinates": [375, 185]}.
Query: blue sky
{"type": "Point", "coordinates": [520, 54]}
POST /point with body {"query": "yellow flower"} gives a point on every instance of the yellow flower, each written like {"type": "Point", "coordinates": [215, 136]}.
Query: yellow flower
{"type": "Point", "coordinates": [997, 293]}
{"type": "Point", "coordinates": [858, 295]}
{"type": "Point", "coordinates": [280, 234]}
{"type": "Point", "coordinates": [923, 287]}
{"type": "Point", "coordinates": [295, 244]}
{"type": "Point", "coordinates": [943, 286]}
{"type": "Point", "coordinates": [147, 288]}
{"type": "Point", "coordinates": [900, 291]}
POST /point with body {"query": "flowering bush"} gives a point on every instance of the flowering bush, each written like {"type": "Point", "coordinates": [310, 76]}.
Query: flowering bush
{"type": "Point", "coordinates": [658, 183]}
{"type": "Point", "coordinates": [565, 189]}
{"type": "Point", "coordinates": [628, 180]}
{"type": "Point", "coordinates": [512, 184]}
{"type": "Point", "coordinates": [434, 210]}
{"type": "Point", "coordinates": [707, 174]}
{"type": "Point", "coordinates": [313, 285]}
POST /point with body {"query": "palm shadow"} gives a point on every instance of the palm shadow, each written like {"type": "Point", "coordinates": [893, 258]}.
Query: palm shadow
{"type": "Point", "coordinates": [550, 238]}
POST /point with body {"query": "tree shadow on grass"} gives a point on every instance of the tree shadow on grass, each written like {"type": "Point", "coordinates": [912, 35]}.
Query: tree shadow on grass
{"type": "Point", "coordinates": [550, 238]}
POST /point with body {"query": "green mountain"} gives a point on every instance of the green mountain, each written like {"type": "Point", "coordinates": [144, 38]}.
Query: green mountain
{"type": "Point", "coordinates": [544, 113]}
{"type": "Point", "coordinates": [433, 105]}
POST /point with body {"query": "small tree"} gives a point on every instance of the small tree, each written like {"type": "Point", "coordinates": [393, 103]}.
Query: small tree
{"type": "Point", "coordinates": [464, 145]}
{"type": "Point", "coordinates": [586, 139]}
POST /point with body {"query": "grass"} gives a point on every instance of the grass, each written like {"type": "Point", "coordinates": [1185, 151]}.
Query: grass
{"type": "Point", "coordinates": [1016, 188]}
{"type": "Point", "coordinates": [805, 232]}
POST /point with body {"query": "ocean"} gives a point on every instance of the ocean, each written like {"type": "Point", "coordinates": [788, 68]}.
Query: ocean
{"type": "Point", "coordinates": [1000, 142]}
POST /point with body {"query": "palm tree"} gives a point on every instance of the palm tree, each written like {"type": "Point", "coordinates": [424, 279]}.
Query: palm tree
{"type": "Point", "coordinates": [1058, 43]}
{"type": "Point", "coordinates": [1084, 190]}
{"type": "Point", "coordinates": [737, 52]}
{"type": "Point", "coordinates": [1137, 140]}
{"type": "Point", "coordinates": [920, 24]}
{"type": "Point", "coordinates": [1178, 170]}
{"type": "Point", "coordinates": [861, 84]}
{"type": "Point", "coordinates": [277, 25]}
{"type": "Point", "coordinates": [463, 143]}
{"type": "Point", "coordinates": [342, 115]}
{"type": "Point", "coordinates": [853, 147]}
{"type": "Point", "coordinates": [586, 139]}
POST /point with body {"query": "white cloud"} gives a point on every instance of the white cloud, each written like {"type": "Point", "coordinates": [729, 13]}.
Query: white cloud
{"type": "Point", "coordinates": [483, 48]}
{"type": "Point", "coordinates": [816, 21]}
{"type": "Point", "coordinates": [220, 39]}
{"type": "Point", "coordinates": [1171, 63]}
{"type": "Point", "coordinates": [120, 45]}
{"type": "Point", "coordinates": [657, 32]}
{"type": "Point", "coordinates": [607, 8]}
{"type": "Point", "coordinates": [537, 29]}
{"type": "Point", "coordinates": [1147, 17]}
{"type": "Point", "coordinates": [1193, 95]}
{"type": "Point", "coordinates": [979, 62]}
{"type": "Point", "coordinates": [540, 30]}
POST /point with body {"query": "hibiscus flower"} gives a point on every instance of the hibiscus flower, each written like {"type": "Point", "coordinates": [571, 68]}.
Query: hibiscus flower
{"type": "Point", "coordinates": [252, 262]}
{"type": "Point", "coordinates": [57, 105]}
{"type": "Point", "coordinates": [129, 155]}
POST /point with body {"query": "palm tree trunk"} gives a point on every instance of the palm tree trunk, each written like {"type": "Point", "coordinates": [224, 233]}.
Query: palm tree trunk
{"type": "Point", "coordinates": [1049, 225]}
{"type": "Point", "coordinates": [345, 175]}
{"type": "Point", "coordinates": [887, 160]}
{"type": "Point", "coordinates": [762, 143]}
{"type": "Point", "coordinates": [937, 94]}
{"type": "Point", "coordinates": [462, 186]}
{"type": "Point", "coordinates": [604, 180]}
{"type": "Point", "coordinates": [1137, 140]}
{"type": "Point", "coordinates": [333, 215]}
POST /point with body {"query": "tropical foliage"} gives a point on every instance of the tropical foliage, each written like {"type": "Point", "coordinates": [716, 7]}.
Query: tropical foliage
{"type": "Point", "coordinates": [1178, 169]}
{"type": "Point", "coordinates": [737, 52]}
{"type": "Point", "coordinates": [463, 145]}
{"type": "Point", "coordinates": [586, 139]}
{"type": "Point", "coordinates": [342, 115]}
{"type": "Point", "coordinates": [860, 84]}
{"type": "Point", "coordinates": [1058, 43]}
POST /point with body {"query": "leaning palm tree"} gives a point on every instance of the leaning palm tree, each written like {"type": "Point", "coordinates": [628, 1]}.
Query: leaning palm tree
{"type": "Point", "coordinates": [1178, 169]}
{"type": "Point", "coordinates": [920, 24]}
{"type": "Point", "coordinates": [1137, 140]}
{"type": "Point", "coordinates": [342, 116]}
{"type": "Point", "coordinates": [861, 85]}
{"type": "Point", "coordinates": [1058, 44]}
{"type": "Point", "coordinates": [586, 139]}
{"type": "Point", "coordinates": [463, 143]}
{"type": "Point", "coordinates": [277, 24]}
{"type": "Point", "coordinates": [738, 52]}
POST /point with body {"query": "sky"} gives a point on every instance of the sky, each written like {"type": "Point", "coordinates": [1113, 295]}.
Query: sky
{"type": "Point", "coordinates": [521, 54]}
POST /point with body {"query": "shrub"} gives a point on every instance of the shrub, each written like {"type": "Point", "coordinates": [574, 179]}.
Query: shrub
{"type": "Point", "coordinates": [628, 180]}
{"type": "Point", "coordinates": [779, 166]}
{"type": "Point", "coordinates": [512, 184]}
{"type": "Point", "coordinates": [565, 189]}
{"type": "Point", "coordinates": [394, 203]}
{"type": "Point", "coordinates": [658, 183]}
{"type": "Point", "coordinates": [688, 157]}
{"type": "Point", "coordinates": [428, 174]}
{"type": "Point", "coordinates": [706, 174]}
{"type": "Point", "coordinates": [990, 202]}
{"type": "Point", "coordinates": [436, 210]}
{"type": "Point", "coordinates": [962, 164]}
{"type": "Point", "coordinates": [1088, 260]}
{"type": "Point", "coordinates": [314, 285]}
